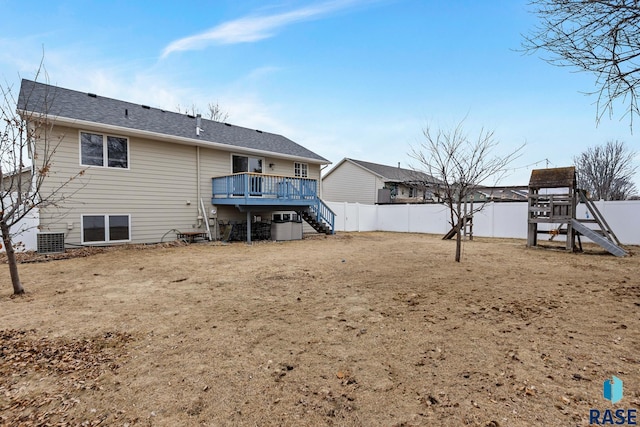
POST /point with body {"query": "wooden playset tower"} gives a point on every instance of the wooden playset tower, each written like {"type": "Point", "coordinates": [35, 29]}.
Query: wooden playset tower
{"type": "Point", "coordinates": [553, 199]}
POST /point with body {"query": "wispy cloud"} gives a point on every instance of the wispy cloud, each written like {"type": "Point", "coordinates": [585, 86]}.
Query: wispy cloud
{"type": "Point", "coordinates": [253, 28]}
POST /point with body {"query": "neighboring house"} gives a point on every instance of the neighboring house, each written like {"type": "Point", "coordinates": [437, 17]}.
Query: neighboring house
{"type": "Point", "coordinates": [13, 186]}
{"type": "Point", "coordinates": [517, 193]}
{"type": "Point", "coordinates": [11, 181]}
{"type": "Point", "coordinates": [358, 181]}
{"type": "Point", "coordinates": [149, 172]}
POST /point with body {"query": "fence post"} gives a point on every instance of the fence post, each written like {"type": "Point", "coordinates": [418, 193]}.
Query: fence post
{"type": "Point", "coordinates": [344, 217]}
{"type": "Point", "coordinates": [494, 215]}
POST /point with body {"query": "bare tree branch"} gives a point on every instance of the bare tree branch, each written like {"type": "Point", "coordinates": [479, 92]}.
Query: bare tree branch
{"type": "Point", "coordinates": [459, 165]}
{"type": "Point", "coordinates": [214, 112]}
{"type": "Point", "coordinates": [606, 171]}
{"type": "Point", "coordinates": [27, 148]}
{"type": "Point", "coordinates": [601, 37]}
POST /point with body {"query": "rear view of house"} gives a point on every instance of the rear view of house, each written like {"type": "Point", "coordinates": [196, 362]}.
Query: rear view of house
{"type": "Point", "coordinates": [147, 173]}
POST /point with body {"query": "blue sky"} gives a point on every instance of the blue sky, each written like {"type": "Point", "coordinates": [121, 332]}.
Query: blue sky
{"type": "Point", "coordinates": [345, 78]}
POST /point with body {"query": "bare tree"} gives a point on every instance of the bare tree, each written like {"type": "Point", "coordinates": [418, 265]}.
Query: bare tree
{"type": "Point", "coordinates": [23, 167]}
{"type": "Point", "coordinates": [606, 171]}
{"type": "Point", "coordinates": [214, 112]}
{"type": "Point", "coordinates": [600, 37]}
{"type": "Point", "coordinates": [193, 110]}
{"type": "Point", "coordinates": [459, 165]}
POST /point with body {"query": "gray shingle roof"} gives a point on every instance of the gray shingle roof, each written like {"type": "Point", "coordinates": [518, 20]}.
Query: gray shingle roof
{"type": "Point", "coordinates": [394, 173]}
{"type": "Point", "coordinates": [55, 101]}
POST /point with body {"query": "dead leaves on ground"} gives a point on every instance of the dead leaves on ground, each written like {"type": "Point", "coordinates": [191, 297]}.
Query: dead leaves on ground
{"type": "Point", "coordinates": [82, 252]}
{"type": "Point", "coordinates": [65, 367]}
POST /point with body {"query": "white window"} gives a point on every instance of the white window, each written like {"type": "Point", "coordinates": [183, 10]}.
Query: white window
{"type": "Point", "coordinates": [301, 170]}
{"type": "Point", "coordinates": [106, 228]}
{"type": "Point", "coordinates": [104, 150]}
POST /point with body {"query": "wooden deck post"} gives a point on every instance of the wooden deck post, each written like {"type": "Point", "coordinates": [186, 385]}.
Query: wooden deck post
{"type": "Point", "coordinates": [532, 230]}
{"type": "Point", "coordinates": [571, 232]}
{"type": "Point", "coordinates": [248, 227]}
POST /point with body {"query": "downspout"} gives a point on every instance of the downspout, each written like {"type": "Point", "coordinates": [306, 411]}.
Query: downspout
{"type": "Point", "coordinates": [322, 167]}
{"type": "Point", "coordinates": [199, 195]}
{"type": "Point", "coordinates": [34, 183]}
{"type": "Point", "coordinates": [200, 214]}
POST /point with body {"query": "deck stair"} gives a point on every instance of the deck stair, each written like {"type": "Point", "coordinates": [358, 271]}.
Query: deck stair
{"type": "Point", "coordinates": [312, 219]}
{"type": "Point", "coordinates": [319, 216]}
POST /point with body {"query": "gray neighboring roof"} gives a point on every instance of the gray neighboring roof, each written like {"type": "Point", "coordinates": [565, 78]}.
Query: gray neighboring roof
{"type": "Point", "coordinates": [34, 97]}
{"type": "Point", "coordinates": [514, 193]}
{"type": "Point", "coordinates": [391, 173]}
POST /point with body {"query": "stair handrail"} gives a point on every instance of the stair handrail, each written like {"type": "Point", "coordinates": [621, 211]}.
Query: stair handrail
{"type": "Point", "coordinates": [324, 213]}
{"type": "Point", "coordinates": [319, 208]}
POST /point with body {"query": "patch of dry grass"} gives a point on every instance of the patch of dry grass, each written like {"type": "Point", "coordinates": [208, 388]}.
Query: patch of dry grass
{"type": "Point", "coordinates": [354, 330]}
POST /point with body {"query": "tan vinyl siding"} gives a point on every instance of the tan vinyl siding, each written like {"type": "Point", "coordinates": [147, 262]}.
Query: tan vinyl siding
{"type": "Point", "coordinates": [280, 167]}
{"type": "Point", "coordinates": [287, 168]}
{"type": "Point", "coordinates": [213, 163]}
{"type": "Point", "coordinates": [350, 183]}
{"type": "Point", "coordinates": [154, 190]}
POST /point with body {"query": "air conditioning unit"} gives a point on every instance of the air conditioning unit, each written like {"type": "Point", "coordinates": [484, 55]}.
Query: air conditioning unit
{"type": "Point", "coordinates": [50, 243]}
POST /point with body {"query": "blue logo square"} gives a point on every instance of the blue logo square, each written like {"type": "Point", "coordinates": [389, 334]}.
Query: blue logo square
{"type": "Point", "coordinates": [612, 389]}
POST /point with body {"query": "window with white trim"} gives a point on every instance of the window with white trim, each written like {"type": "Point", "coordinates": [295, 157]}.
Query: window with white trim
{"type": "Point", "coordinates": [106, 228]}
{"type": "Point", "coordinates": [301, 170]}
{"type": "Point", "coordinates": [104, 150]}
{"type": "Point", "coordinates": [240, 164]}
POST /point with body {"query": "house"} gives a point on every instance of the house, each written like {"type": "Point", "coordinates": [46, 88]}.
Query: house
{"type": "Point", "coordinates": [144, 174]}
{"type": "Point", "coordinates": [516, 193]}
{"type": "Point", "coordinates": [363, 182]}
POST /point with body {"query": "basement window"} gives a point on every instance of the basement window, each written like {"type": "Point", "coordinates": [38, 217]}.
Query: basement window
{"type": "Point", "coordinates": [104, 150]}
{"type": "Point", "coordinates": [106, 228]}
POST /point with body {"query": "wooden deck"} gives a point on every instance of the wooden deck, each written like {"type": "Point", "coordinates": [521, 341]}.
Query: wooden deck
{"type": "Point", "coordinates": [253, 192]}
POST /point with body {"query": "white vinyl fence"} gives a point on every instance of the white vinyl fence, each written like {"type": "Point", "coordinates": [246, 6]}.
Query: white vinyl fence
{"type": "Point", "coordinates": [503, 219]}
{"type": "Point", "coordinates": [495, 220]}
{"type": "Point", "coordinates": [25, 233]}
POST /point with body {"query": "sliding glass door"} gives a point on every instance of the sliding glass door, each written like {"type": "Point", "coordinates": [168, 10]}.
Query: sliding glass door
{"type": "Point", "coordinates": [242, 164]}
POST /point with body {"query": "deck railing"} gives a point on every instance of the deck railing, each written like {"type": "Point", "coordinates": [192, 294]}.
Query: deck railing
{"type": "Point", "coordinates": [259, 185]}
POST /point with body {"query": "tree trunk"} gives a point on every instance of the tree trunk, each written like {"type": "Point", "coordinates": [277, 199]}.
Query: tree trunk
{"type": "Point", "coordinates": [11, 259]}
{"type": "Point", "coordinates": [459, 240]}
{"type": "Point", "coordinates": [460, 225]}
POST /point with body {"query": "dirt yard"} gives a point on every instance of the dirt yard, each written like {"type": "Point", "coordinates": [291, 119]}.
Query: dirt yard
{"type": "Point", "coordinates": [369, 329]}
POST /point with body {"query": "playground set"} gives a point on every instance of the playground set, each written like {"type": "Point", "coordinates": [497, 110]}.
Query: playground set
{"type": "Point", "coordinates": [553, 199]}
